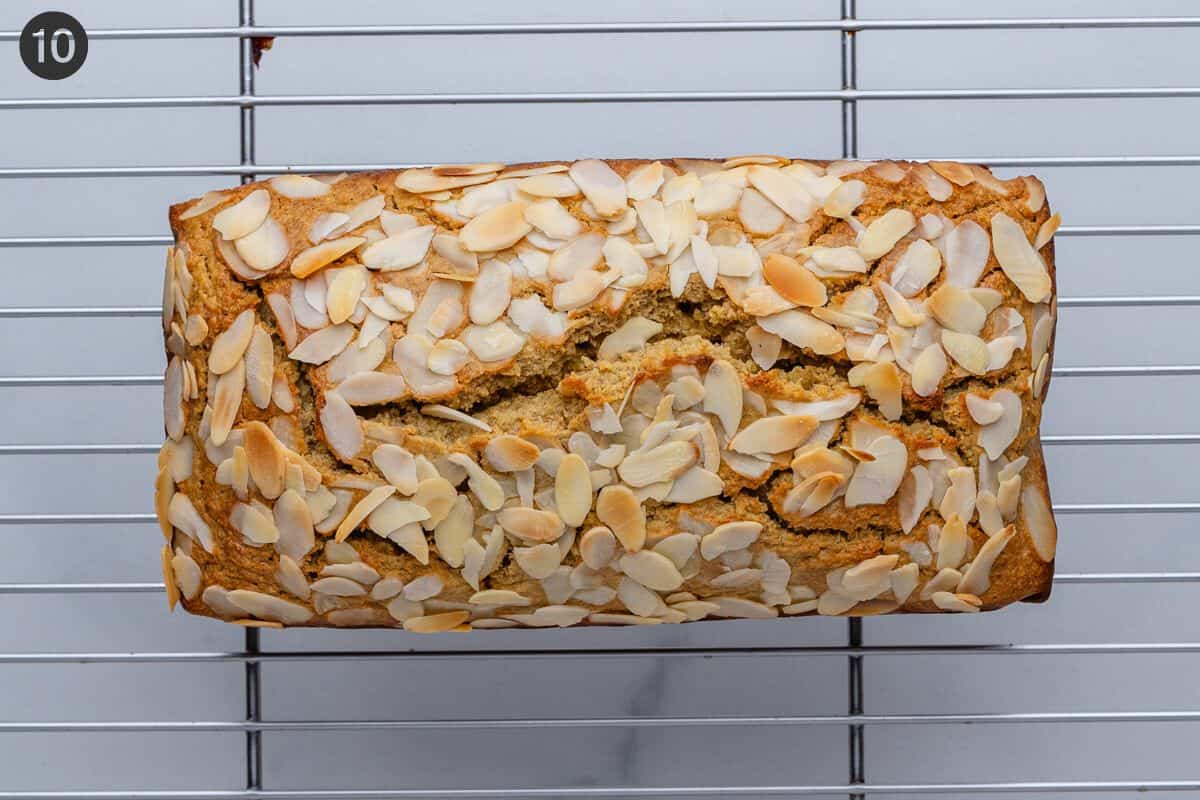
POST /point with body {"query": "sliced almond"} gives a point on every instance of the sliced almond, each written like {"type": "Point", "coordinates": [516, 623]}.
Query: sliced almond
{"type": "Point", "coordinates": [265, 248]}
{"type": "Point", "coordinates": [401, 251]}
{"type": "Point", "coordinates": [603, 187]}
{"type": "Point", "coordinates": [208, 201]}
{"type": "Point", "coordinates": [1047, 231]}
{"type": "Point", "coordinates": [784, 191]}
{"type": "Point", "coordinates": [723, 395]}
{"type": "Point", "coordinates": [938, 187]}
{"type": "Point", "coordinates": [792, 281]}
{"type": "Point", "coordinates": [644, 180]}
{"type": "Point", "coordinates": [549, 185]}
{"type": "Point", "coordinates": [466, 169]}
{"type": "Point", "coordinates": [652, 570]}
{"type": "Point", "coordinates": [774, 434]}
{"type": "Point", "coordinates": [361, 214]}
{"type": "Point", "coordinates": [883, 233]}
{"type": "Point", "coordinates": [1019, 260]}
{"type": "Point", "coordinates": [309, 261]}
{"type": "Point", "coordinates": [655, 465]}
{"type": "Point", "coordinates": [597, 547]}
{"type": "Point", "coordinates": [319, 347]}
{"type": "Point", "coordinates": [436, 623]}
{"type": "Point", "coordinates": [969, 352]}
{"type": "Point", "coordinates": [956, 173]}
{"type": "Point", "coordinates": [619, 509]}
{"type": "Point", "coordinates": [875, 481]}
{"type": "Point", "coordinates": [983, 410]}
{"type": "Point", "coordinates": [804, 331]}
{"type": "Point", "coordinates": [531, 525]}
{"type": "Point", "coordinates": [243, 217]}
{"type": "Point", "coordinates": [507, 453]}
{"type": "Point", "coordinates": [919, 265]}
{"type": "Point", "coordinates": [496, 229]}
{"type": "Point", "coordinates": [299, 187]}
{"type": "Point", "coordinates": [361, 510]}
{"type": "Point", "coordinates": [729, 537]}
{"type": "Point", "coordinates": [580, 254]}
{"type": "Point", "coordinates": [343, 294]}
{"type": "Point", "coordinates": [372, 388]}
{"type": "Point", "coordinates": [573, 490]}
{"type": "Point", "coordinates": [265, 457]}
{"type": "Point", "coordinates": [1039, 521]}
{"type": "Point", "coordinates": [957, 310]}
{"type": "Point", "coordinates": [425, 180]}
{"type": "Point", "coordinates": [928, 369]}
{"type": "Point", "coordinates": [814, 493]}
{"type": "Point", "coordinates": [341, 427]}
{"type": "Point", "coordinates": [229, 345]}
{"type": "Point", "coordinates": [869, 578]}
{"type": "Point", "coordinates": [226, 402]}
{"type": "Point", "coordinates": [948, 601]}
{"type": "Point", "coordinates": [995, 437]}
{"type": "Point", "coordinates": [915, 493]}
{"type": "Point", "coordinates": [257, 527]}
{"type": "Point", "coordinates": [976, 578]}
{"type": "Point", "coordinates": [843, 200]}
{"type": "Point", "coordinates": [882, 382]}
{"type": "Point", "coordinates": [954, 543]}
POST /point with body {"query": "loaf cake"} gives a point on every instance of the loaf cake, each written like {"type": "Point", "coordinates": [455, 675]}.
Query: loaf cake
{"type": "Point", "coordinates": [607, 393]}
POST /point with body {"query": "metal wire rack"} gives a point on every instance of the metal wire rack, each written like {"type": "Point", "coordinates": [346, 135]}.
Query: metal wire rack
{"type": "Point", "coordinates": [253, 658]}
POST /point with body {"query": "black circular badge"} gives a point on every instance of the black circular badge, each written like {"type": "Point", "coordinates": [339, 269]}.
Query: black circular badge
{"type": "Point", "coordinates": [54, 45]}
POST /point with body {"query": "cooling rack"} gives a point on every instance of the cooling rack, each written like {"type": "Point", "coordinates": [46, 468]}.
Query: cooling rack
{"type": "Point", "coordinates": [822, 721]}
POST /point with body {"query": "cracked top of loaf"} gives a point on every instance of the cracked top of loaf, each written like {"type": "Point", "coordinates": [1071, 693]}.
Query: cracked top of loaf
{"type": "Point", "coordinates": [607, 392]}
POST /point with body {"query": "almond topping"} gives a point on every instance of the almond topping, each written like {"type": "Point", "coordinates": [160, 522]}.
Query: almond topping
{"type": "Point", "coordinates": [243, 217]}
{"type": "Point", "coordinates": [603, 187]}
{"type": "Point", "coordinates": [652, 570]}
{"type": "Point", "coordinates": [1019, 260]}
{"type": "Point", "coordinates": [573, 490]}
{"type": "Point", "coordinates": [792, 281]}
{"type": "Point", "coordinates": [619, 509]}
{"type": "Point", "coordinates": [229, 345]}
{"type": "Point", "coordinates": [496, 229]}
{"type": "Point", "coordinates": [658, 464]}
{"type": "Point", "coordinates": [531, 525]}
{"type": "Point", "coordinates": [729, 537]}
{"type": "Point", "coordinates": [309, 261]}
{"type": "Point", "coordinates": [361, 510]}
{"type": "Point", "coordinates": [401, 251]}
{"type": "Point", "coordinates": [774, 434]}
{"type": "Point", "coordinates": [883, 234]}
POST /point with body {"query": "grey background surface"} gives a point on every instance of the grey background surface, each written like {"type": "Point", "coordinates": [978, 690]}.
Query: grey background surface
{"type": "Point", "coordinates": [466, 688]}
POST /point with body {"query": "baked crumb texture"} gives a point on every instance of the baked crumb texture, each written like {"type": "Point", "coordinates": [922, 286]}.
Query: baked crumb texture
{"type": "Point", "coordinates": [607, 392]}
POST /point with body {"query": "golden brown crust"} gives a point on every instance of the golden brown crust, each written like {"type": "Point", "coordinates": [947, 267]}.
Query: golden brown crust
{"type": "Point", "coordinates": [555, 384]}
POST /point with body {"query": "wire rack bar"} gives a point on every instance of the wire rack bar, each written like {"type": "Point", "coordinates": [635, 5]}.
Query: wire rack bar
{"type": "Point", "coordinates": [489, 98]}
{"type": "Point", "coordinates": [839, 651]}
{"type": "Point", "coordinates": [152, 588]}
{"type": "Point", "coordinates": [220, 726]}
{"type": "Point", "coordinates": [174, 170]}
{"type": "Point", "coordinates": [809, 790]}
{"type": "Point", "coordinates": [698, 26]}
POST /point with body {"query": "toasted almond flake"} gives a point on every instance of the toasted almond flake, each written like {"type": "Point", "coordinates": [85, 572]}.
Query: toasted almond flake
{"type": "Point", "coordinates": [372, 388]}
{"type": "Point", "coordinates": [185, 572]}
{"type": "Point", "coordinates": [507, 453]}
{"type": "Point", "coordinates": [729, 537]}
{"type": "Point", "coordinates": [436, 623]}
{"type": "Point", "coordinates": [447, 357]}
{"type": "Point", "coordinates": [183, 515]}
{"type": "Point", "coordinates": [164, 491]}
{"type": "Point", "coordinates": [969, 352]}
{"type": "Point", "coordinates": [716, 196]}
{"type": "Point", "coordinates": [426, 181]}
{"type": "Point", "coordinates": [966, 248]}
{"type": "Point", "coordinates": [402, 609]}
{"type": "Point", "coordinates": [723, 395]}
{"type": "Point", "coordinates": [579, 254]}
{"type": "Point", "coordinates": [957, 310]}
{"type": "Point", "coordinates": [843, 200]}
{"type": "Point", "coordinates": [639, 599]}
{"type": "Point", "coordinates": [265, 248]}
{"type": "Point", "coordinates": [268, 607]}
{"type": "Point", "coordinates": [495, 229]}
{"type": "Point", "coordinates": [652, 570]}
{"type": "Point", "coordinates": [976, 578]}
{"type": "Point", "coordinates": [539, 561]}
{"type": "Point", "coordinates": [995, 437]}
{"type": "Point", "coordinates": [531, 525]}
{"type": "Point", "coordinates": [983, 410]}
{"type": "Point", "coordinates": [938, 187]}
{"type": "Point", "coordinates": [195, 329]}
{"type": "Point", "coordinates": [494, 342]}
{"type": "Point", "coordinates": [344, 291]}
{"type": "Point", "coordinates": [1046, 231]}
{"type": "Point", "coordinates": [784, 191]}
{"type": "Point", "coordinates": [774, 434]}
{"type": "Point", "coordinates": [174, 411]}
{"type": "Point", "coordinates": [869, 578]}
{"type": "Point", "coordinates": [454, 415]}
{"type": "Point", "coordinates": [361, 510]}
{"type": "Point", "coordinates": [741, 608]}
{"type": "Point", "coordinates": [229, 345]}
{"type": "Point", "coordinates": [928, 368]}
{"type": "Point", "coordinates": [361, 214]}
{"type": "Point", "coordinates": [397, 466]}
{"type": "Point", "coordinates": [573, 490]}
{"type": "Point", "coordinates": [948, 601]}
{"type": "Point", "coordinates": [243, 217]}
{"type": "Point", "coordinates": [321, 228]}
{"type": "Point", "coordinates": [597, 547]}
{"type": "Point", "coordinates": [603, 187]}
{"type": "Point", "coordinates": [655, 465]}
{"type": "Point", "coordinates": [644, 181]}
{"type": "Point", "coordinates": [549, 185]}
{"type": "Point", "coordinates": [812, 494]}
{"type": "Point", "coordinates": [257, 527]}
{"type": "Point", "coordinates": [342, 429]}
{"type": "Point", "coordinates": [630, 337]}
{"type": "Point", "coordinates": [491, 293]}
{"type": "Point", "coordinates": [401, 251]}
{"type": "Point", "coordinates": [737, 261]}
{"type": "Point", "coordinates": [953, 544]}
{"type": "Point", "coordinates": [226, 402]}
{"type": "Point", "coordinates": [293, 520]}
{"type": "Point", "coordinates": [959, 499]}
{"type": "Point", "coordinates": [437, 496]}
{"type": "Point", "coordinates": [466, 169]}
{"type": "Point", "coordinates": [877, 480]}
{"type": "Point", "coordinates": [1019, 260]}
{"type": "Point", "coordinates": [260, 368]}
{"type": "Point", "coordinates": [207, 202]}
{"type": "Point", "coordinates": [582, 289]}
{"type": "Point", "coordinates": [764, 347]}
{"type": "Point", "coordinates": [486, 488]}
{"type": "Point", "coordinates": [298, 187]}
{"type": "Point", "coordinates": [499, 597]}
{"type": "Point", "coordinates": [619, 509]}
{"type": "Point", "coordinates": [319, 347]}
{"type": "Point", "coordinates": [883, 233]}
{"type": "Point", "coordinates": [795, 283]}
{"type": "Point", "coordinates": [265, 456]}
{"type": "Point", "coordinates": [915, 493]}
{"type": "Point", "coordinates": [452, 532]}
{"type": "Point", "coordinates": [956, 173]}
{"type": "Point", "coordinates": [804, 331]}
